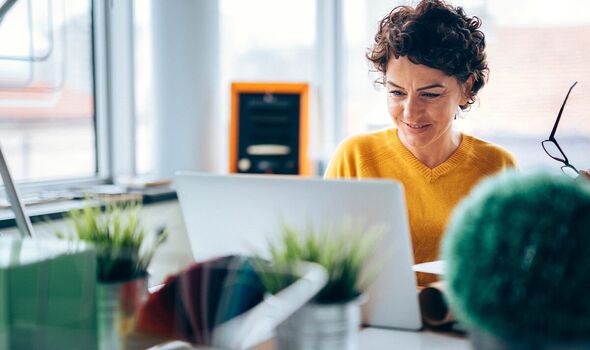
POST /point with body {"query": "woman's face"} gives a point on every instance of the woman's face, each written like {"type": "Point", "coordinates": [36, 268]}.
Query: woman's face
{"type": "Point", "coordinates": [422, 101]}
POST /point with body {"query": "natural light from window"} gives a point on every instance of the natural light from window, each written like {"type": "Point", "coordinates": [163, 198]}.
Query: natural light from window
{"type": "Point", "coordinates": [46, 90]}
{"type": "Point", "coordinates": [536, 50]}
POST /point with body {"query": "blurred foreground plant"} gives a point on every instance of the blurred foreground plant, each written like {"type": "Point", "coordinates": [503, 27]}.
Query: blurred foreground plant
{"type": "Point", "coordinates": [124, 250]}
{"type": "Point", "coordinates": [345, 252]}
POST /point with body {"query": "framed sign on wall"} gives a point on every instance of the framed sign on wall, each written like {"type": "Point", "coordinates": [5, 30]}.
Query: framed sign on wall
{"type": "Point", "coordinates": [269, 128]}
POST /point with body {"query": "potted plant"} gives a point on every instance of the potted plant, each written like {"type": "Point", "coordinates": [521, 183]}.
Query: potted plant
{"type": "Point", "coordinates": [124, 252]}
{"type": "Point", "coordinates": [331, 320]}
{"type": "Point", "coordinates": [518, 263]}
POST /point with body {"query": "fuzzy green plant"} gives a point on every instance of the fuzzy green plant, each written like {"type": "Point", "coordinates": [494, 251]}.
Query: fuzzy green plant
{"type": "Point", "coordinates": [124, 250]}
{"type": "Point", "coordinates": [518, 255]}
{"type": "Point", "coordinates": [344, 252]}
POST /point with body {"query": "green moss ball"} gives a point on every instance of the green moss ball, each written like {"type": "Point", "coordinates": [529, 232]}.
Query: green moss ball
{"type": "Point", "coordinates": [518, 255]}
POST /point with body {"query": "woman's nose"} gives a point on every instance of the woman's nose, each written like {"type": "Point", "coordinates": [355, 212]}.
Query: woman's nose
{"type": "Point", "coordinates": [411, 109]}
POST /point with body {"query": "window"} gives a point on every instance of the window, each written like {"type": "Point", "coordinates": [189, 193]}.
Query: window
{"type": "Point", "coordinates": [534, 57]}
{"type": "Point", "coordinates": [47, 124]}
{"type": "Point", "coordinates": [536, 49]}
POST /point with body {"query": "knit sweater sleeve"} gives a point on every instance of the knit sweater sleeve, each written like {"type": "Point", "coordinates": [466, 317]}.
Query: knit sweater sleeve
{"type": "Point", "coordinates": [344, 164]}
{"type": "Point", "coordinates": [509, 160]}
{"type": "Point", "coordinates": [493, 158]}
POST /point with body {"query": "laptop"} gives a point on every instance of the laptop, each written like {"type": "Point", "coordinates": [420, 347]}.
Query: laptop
{"type": "Point", "coordinates": [23, 221]}
{"type": "Point", "coordinates": [238, 214]}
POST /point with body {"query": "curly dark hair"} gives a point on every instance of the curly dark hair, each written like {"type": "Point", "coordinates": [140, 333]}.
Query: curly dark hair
{"type": "Point", "coordinates": [434, 34]}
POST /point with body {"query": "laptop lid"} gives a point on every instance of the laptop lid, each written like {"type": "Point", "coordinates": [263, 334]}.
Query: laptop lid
{"type": "Point", "coordinates": [22, 219]}
{"type": "Point", "coordinates": [237, 214]}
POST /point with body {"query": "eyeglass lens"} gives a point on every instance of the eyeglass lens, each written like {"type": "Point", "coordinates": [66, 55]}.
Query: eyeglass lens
{"type": "Point", "coordinates": [569, 171]}
{"type": "Point", "coordinates": [552, 150]}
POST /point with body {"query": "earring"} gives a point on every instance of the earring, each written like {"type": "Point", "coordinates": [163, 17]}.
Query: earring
{"type": "Point", "coordinates": [459, 113]}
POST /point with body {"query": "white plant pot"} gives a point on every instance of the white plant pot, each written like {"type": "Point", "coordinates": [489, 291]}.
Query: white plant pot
{"type": "Point", "coordinates": [322, 327]}
{"type": "Point", "coordinates": [118, 306]}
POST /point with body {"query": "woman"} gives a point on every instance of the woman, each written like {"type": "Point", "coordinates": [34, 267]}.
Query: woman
{"type": "Point", "coordinates": [433, 63]}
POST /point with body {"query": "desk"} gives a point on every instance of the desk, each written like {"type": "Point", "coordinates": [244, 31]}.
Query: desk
{"type": "Point", "coordinates": [377, 338]}
{"type": "Point", "coordinates": [175, 254]}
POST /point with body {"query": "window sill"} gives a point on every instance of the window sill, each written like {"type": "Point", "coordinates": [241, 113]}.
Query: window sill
{"type": "Point", "coordinates": [46, 212]}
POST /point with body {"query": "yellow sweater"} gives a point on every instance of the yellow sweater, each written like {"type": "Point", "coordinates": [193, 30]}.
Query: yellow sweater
{"type": "Point", "coordinates": [431, 194]}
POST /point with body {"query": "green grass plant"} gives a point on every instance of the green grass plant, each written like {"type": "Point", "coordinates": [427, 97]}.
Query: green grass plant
{"type": "Point", "coordinates": [124, 249]}
{"type": "Point", "coordinates": [343, 251]}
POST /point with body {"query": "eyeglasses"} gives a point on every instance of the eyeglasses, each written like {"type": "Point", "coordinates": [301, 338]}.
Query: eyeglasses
{"type": "Point", "coordinates": [552, 148]}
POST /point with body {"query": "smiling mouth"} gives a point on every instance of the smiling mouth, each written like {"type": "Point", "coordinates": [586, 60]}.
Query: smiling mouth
{"type": "Point", "coordinates": [417, 126]}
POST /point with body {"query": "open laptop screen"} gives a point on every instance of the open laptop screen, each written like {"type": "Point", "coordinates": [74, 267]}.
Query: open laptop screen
{"type": "Point", "coordinates": [237, 214]}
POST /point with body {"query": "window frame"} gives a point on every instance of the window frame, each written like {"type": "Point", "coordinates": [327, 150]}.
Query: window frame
{"type": "Point", "coordinates": [114, 126]}
{"type": "Point", "coordinates": [331, 73]}
{"type": "Point", "coordinates": [114, 109]}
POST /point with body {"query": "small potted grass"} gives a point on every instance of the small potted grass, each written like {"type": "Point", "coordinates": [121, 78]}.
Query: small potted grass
{"type": "Point", "coordinates": [518, 263]}
{"type": "Point", "coordinates": [332, 319]}
{"type": "Point", "coordinates": [124, 252]}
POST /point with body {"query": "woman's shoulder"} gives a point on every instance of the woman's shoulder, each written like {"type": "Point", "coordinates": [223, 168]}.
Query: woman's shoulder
{"type": "Point", "coordinates": [358, 152]}
{"type": "Point", "coordinates": [490, 152]}
{"type": "Point", "coordinates": [367, 140]}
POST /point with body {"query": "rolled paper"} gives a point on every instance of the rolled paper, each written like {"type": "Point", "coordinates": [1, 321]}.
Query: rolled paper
{"type": "Point", "coordinates": [433, 305]}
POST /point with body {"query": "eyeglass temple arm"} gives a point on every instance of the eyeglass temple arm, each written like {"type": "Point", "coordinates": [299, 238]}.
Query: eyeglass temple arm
{"type": "Point", "coordinates": [552, 135]}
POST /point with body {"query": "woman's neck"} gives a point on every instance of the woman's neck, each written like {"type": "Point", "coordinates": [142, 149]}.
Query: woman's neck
{"type": "Point", "coordinates": [436, 152]}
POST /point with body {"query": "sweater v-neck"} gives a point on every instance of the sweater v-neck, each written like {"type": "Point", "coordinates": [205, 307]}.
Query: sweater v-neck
{"type": "Point", "coordinates": [432, 174]}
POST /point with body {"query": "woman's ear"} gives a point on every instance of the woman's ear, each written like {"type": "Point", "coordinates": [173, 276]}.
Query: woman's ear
{"type": "Point", "coordinates": [466, 89]}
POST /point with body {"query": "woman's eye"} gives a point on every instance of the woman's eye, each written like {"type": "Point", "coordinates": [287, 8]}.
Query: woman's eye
{"type": "Point", "coordinates": [430, 95]}
{"type": "Point", "coordinates": [396, 93]}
